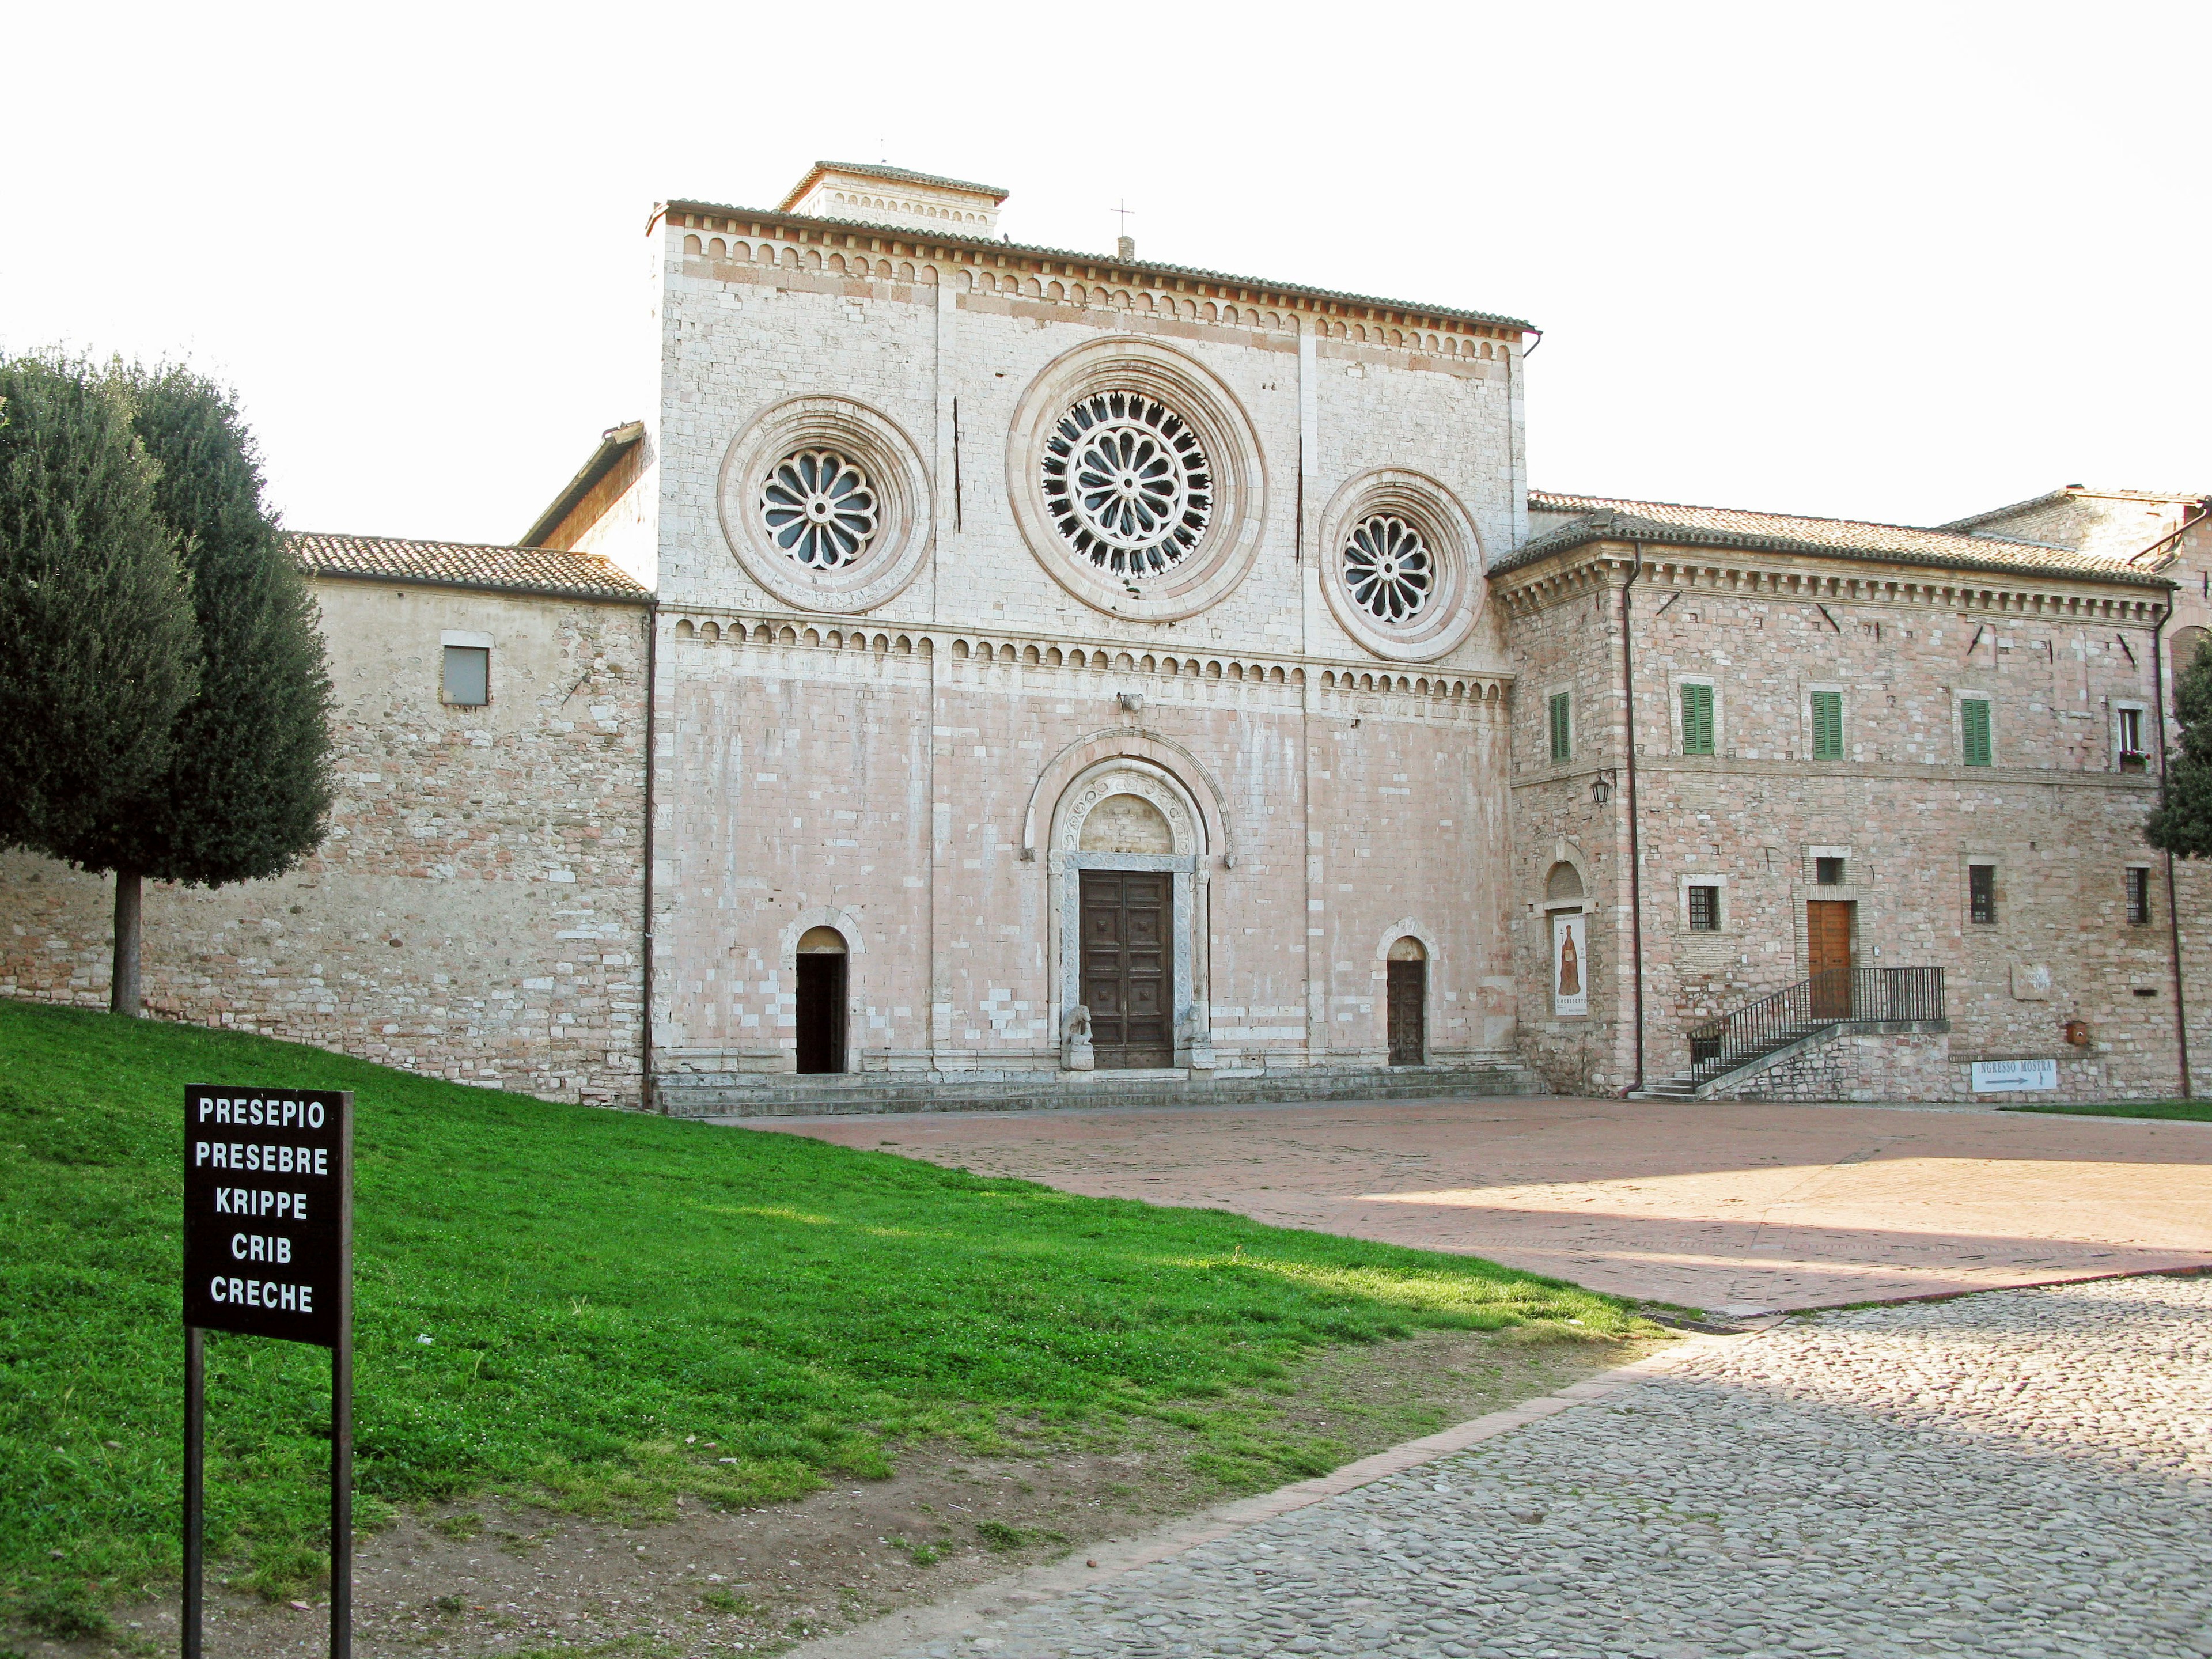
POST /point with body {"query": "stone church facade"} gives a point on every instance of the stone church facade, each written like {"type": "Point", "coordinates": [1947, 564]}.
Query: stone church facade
{"type": "Point", "coordinates": [988, 673]}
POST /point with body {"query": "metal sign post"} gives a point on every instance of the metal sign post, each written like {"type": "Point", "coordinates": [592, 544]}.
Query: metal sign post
{"type": "Point", "coordinates": [269, 1252]}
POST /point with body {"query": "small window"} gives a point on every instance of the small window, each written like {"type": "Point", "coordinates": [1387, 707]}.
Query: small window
{"type": "Point", "coordinates": [1697, 719]}
{"type": "Point", "coordinates": [1828, 872]}
{"type": "Point", "coordinates": [2131, 731]}
{"type": "Point", "coordinates": [1982, 892]}
{"type": "Point", "coordinates": [1827, 725]}
{"type": "Point", "coordinates": [1563, 736]}
{"type": "Point", "coordinates": [2139, 897]}
{"type": "Point", "coordinates": [1705, 909]}
{"type": "Point", "coordinates": [468, 675]}
{"type": "Point", "coordinates": [1974, 731]}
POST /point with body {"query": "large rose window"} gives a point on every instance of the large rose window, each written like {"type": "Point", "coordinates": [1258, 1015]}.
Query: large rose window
{"type": "Point", "coordinates": [1128, 484]}
{"type": "Point", "coordinates": [819, 509]}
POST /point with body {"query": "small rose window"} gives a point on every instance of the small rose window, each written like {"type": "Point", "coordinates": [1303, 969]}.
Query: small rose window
{"type": "Point", "coordinates": [1388, 568]}
{"type": "Point", "coordinates": [819, 509]}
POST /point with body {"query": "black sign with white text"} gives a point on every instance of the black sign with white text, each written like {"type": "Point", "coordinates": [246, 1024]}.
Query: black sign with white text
{"type": "Point", "coordinates": [269, 1211]}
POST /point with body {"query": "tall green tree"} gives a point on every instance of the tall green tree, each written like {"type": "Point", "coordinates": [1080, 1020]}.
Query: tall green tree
{"type": "Point", "coordinates": [2183, 822]}
{"type": "Point", "coordinates": [245, 791]}
{"type": "Point", "coordinates": [99, 648]}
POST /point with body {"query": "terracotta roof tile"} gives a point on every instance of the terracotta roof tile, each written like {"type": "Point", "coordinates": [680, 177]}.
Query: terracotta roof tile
{"type": "Point", "coordinates": [465, 564]}
{"type": "Point", "coordinates": [1605, 517]}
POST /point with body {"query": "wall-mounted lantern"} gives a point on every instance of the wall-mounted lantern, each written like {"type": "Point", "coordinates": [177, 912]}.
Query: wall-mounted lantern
{"type": "Point", "coordinates": [1601, 786]}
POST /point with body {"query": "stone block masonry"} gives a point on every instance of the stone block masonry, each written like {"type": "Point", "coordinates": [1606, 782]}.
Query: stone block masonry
{"type": "Point", "coordinates": [474, 912]}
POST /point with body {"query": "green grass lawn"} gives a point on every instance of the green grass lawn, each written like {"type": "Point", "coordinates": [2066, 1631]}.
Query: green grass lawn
{"type": "Point", "coordinates": [619, 1309]}
{"type": "Point", "coordinates": [2187, 1111]}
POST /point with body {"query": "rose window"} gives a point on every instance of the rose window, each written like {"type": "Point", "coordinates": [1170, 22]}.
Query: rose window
{"type": "Point", "coordinates": [1388, 568]}
{"type": "Point", "coordinates": [1127, 484]}
{"type": "Point", "coordinates": [819, 509]}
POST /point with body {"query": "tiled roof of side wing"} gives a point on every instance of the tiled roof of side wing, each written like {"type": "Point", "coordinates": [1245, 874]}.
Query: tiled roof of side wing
{"type": "Point", "coordinates": [2072, 490]}
{"type": "Point", "coordinates": [465, 564]}
{"type": "Point", "coordinates": [911, 234]}
{"type": "Point", "coordinates": [1602, 518]}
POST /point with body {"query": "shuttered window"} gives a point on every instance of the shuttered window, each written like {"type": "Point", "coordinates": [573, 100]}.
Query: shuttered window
{"type": "Point", "coordinates": [1974, 731]}
{"type": "Point", "coordinates": [468, 676]}
{"type": "Point", "coordinates": [1562, 733]}
{"type": "Point", "coordinates": [1697, 719]}
{"type": "Point", "coordinates": [1827, 725]}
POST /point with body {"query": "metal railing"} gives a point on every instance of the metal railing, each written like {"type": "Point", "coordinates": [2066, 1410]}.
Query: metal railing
{"type": "Point", "coordinates": [1828, 998]}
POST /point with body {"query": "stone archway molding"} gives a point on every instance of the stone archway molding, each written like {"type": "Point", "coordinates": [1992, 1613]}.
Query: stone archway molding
{"type": "Point", "coordinates": [1409, 928]}
{"type": "Point", "coordinates": [1565, 852]}
{"type": "Point", "coordinates": [846, 921]}
{"type": "Point", "coordinates": [1125, 742]}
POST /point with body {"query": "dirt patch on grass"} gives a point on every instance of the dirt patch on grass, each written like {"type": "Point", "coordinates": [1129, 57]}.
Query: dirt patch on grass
{"type": "Point", "coordinates": [497, 1578]}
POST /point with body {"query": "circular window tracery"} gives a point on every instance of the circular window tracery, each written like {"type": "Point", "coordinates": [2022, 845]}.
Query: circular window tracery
{"type": "Point", "coordinates": [1127, 484]}
{"type": "Point", "coordinates": [818, 508]}
{"type": "Point", "coordinates": [1388, 568]}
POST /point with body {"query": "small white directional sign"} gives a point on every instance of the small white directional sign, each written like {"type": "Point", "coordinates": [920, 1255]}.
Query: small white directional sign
{"type": "Point", "coordinates": [269, 1213]}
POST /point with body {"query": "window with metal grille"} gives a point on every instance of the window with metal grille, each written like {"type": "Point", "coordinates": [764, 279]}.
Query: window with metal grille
{"type": "Point", "coordinates": [468, 675]}
{"type": "Point", "coordinates": [1563, 736]}
{"type": "Point", "coordinates": [1827, 725]}
{"type": "Point", "coordinates": [1697, 719]}
{"type": "Point", "coordinates": [1705, 909]}
{"type": "Point", "coordinates": [1828, 872]}
{"type": "Point", "coordinates": [2139, 895]}
{"type": "Point", "coordinates": [1982, 892]}
{"type": "Point", "coordinates": [1974, 731]}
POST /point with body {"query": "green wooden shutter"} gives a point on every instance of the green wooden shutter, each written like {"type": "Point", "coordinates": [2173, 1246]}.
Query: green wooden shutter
{"type": "Point", "coordinates": [1562, 736]}
{"type": "Point", "coordinates": [1827, 725]}
{"type": "Point", "coordinates": [1974, 730]}
{"type": "Point", "coordinates": [1697, 719]}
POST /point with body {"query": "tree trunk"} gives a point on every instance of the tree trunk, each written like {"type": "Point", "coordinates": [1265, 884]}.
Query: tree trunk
{"type": "Point", "coordinates": [123, 984]}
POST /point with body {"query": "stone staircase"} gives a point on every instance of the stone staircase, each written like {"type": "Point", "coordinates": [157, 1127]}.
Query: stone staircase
{"type": "Point", "coordinates": [1737, 1046]}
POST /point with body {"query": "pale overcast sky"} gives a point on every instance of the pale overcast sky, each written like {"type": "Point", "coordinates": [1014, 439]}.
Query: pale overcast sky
{"type": "Point", "coordinates": [1897, 262]}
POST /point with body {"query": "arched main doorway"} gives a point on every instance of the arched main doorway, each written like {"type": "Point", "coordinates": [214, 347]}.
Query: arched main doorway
{"type": "Point", "coordinates": [1128, 894]}
{"type": "Point", "coordinates": [822, 999]}
{"type": "Point", "coordinates": [1408, 1002]}
{"type": "Point", "coordinates": [1128, 935]}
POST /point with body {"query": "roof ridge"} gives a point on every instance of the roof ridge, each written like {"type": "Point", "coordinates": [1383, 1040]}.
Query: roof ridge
{"type": "Point", "coordinates": [446, 541]}
{"type": "Point", "coordinates": [886, 170]}
{"type": "Point", "coordinates": [914, 233]}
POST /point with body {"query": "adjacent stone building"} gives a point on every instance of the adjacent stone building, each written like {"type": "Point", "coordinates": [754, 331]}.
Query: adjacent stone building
{"type": "Point", "coordinates": [984, 673]}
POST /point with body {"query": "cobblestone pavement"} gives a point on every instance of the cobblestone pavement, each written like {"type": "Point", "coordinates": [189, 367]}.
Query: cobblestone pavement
{"type": "Point", "coordinates": [2022, 1472]}
{"type": "Point", "coordinates": [1732, 1206]}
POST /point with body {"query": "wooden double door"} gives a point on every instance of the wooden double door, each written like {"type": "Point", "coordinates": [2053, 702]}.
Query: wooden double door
{"type": "Point", "coordinates": [1128, 966]}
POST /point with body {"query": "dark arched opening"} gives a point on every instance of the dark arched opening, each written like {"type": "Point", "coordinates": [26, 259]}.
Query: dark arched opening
{"type": "Point", "coordinates": [1408, 1003]}
{"type": "Point", "coordinates": [822, 1000]}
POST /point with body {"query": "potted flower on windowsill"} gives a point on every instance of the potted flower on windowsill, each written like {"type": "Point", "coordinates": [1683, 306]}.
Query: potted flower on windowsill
{"type": "Point", "coordinates": [2133, 760]}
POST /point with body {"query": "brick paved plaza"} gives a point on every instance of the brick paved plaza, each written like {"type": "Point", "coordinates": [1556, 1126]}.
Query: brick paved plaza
{"type": "Point", "coordinates": [1729, 1207]}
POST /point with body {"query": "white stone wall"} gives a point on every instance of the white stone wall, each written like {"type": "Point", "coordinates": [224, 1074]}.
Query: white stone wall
{"type": "Point", "coordinates": [887, 771]}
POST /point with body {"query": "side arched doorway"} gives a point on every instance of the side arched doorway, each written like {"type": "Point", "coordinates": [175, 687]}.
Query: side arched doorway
{"type": "Point", "coordinates": [1407, 1002]}
{"type": "Point", "coordinates": [822, 999]}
